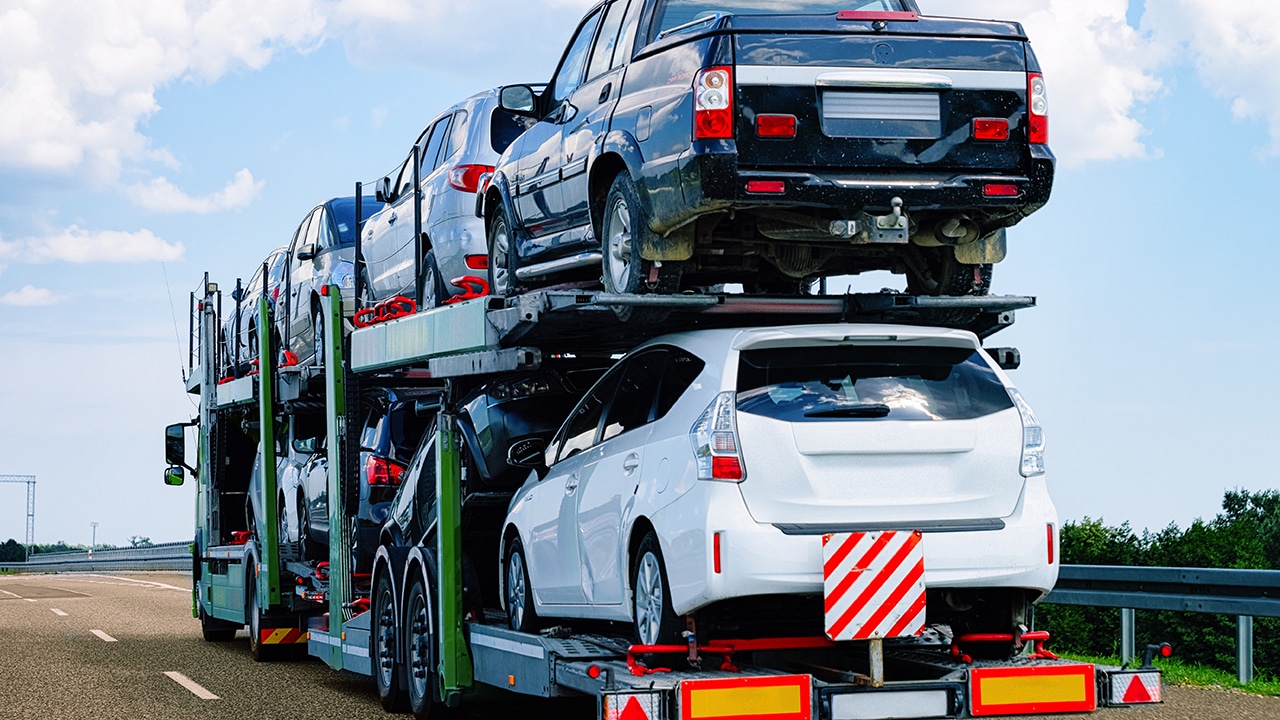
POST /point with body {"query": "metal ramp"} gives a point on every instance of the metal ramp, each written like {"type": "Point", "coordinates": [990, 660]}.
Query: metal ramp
{"type": "Point", "coordinates": [491, 334]}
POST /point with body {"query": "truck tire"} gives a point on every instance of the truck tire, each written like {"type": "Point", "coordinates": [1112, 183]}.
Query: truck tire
{"type": "Point", "coordinates": [656, 622]}
{"type": "Point", "coordinates": [420, 652]}
{"type": "Point", "coordinates": [253, 618]}
{"type": "Point", "coordinates": [215, 630]}
{"type": "Point", "coordinates": [521, 615]}
{"type": "Point", "coordinates": [384, 641]}
{"type": "Point", "coordinates": [624, 229]}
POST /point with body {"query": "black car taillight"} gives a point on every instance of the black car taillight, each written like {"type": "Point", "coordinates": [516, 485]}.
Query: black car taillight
{"type": "Point", "coordinates": [381, 471]}
{"type": "Point", "coordinates": [713, 104]}
{"type": "Point", "coordinates": [1037, 109]}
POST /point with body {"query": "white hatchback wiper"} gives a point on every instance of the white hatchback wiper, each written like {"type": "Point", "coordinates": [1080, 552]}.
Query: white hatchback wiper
{"type": "Point", "coordinates": [859, 410]}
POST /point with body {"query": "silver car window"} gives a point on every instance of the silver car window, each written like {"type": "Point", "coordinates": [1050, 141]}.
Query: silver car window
{"type": "Point", "coordinates": [606, 41]}
{"type": "Point", "coordinates": [458, 134]}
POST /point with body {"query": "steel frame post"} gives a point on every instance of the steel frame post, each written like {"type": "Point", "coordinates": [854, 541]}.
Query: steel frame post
{"type": "Point", "coordinates": [268, 596]}
{"type": "Point", "coordinates": [1244, 649]}
{"type": "Point", "coordinates": [1128, 635]}
{"type": "Point", "coordinates": [335, 402]}
{"type": "Point", "coordinates": [30, 480]}
{"type": "Point", "coordinates": [456, 671]}
{"type": "Point", "coordinates": [417, 223]}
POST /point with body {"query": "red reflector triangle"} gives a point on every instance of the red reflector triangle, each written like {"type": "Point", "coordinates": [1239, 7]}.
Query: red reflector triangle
{"type": "Point", "coordinates": [633, 710]}
{"type": "Point", "coordinates": [1137, 692]}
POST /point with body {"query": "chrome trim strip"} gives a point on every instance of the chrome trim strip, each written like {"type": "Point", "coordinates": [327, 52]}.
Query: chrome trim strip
{"type": "Point", "coordinates": [572, 262]}
{"type": "Point", "coordinates": [830, 76]}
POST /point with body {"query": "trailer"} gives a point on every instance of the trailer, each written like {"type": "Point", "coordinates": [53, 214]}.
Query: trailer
{"type": "Point", "coordinates": [406, 623]}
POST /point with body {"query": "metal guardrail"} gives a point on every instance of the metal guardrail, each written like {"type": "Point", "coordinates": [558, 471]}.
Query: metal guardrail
{"type": "Point", "coordinates": [1243, 593]}
{"type": "Point", "coordinates": [164, 556]}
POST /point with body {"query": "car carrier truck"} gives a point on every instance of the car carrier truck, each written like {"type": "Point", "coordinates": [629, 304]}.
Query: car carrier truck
{"type": "Point", "coordinates": [412, 624]}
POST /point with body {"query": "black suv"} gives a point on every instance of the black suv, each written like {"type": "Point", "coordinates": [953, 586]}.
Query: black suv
{"type": "Point", "coordinates": [684, 143]}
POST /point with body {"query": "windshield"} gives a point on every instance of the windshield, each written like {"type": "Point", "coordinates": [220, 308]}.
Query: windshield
{"type": "Point", "coordinates": [344, 214]}
{"type": "Point", "coordinates": [808, 384]}
{"type": "Point", "coordinates": [675, 13]}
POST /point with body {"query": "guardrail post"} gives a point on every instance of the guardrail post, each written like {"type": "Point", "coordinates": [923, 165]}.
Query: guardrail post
{"type": "Point", "coordinates": [1128, 635]}
{"type": "Point", "coordinates": [1244, 649]}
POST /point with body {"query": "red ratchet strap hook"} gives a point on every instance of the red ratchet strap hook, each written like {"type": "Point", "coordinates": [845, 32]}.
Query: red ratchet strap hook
{"type": "Point", "coordinates": [472, 287]}
{"type": "Point", "coordinates": [389, 309]}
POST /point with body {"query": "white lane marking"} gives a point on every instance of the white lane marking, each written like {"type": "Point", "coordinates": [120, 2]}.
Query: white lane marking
{"type": "Point", "coordinates": [6, 592]}
{"type": "Point", "coordinates": [58, 612]}
{"type": "Point", "coordinates": [29, 599]}
{"type": "Point", "coordinates": [142, 582]}
{"type": "Point", "coordinates": [105, 637]}
{"type": "Point", "coordinates": [191, 685]}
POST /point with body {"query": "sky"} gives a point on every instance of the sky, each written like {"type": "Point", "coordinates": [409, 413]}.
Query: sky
{"type": "Point", "coordinates": [145, 142]}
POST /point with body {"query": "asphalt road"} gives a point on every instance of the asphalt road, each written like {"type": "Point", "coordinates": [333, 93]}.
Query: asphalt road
{"type": "Point", "coordinates": [126, 647]}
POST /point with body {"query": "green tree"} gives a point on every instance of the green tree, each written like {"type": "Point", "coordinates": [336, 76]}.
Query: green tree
{"type": "Point", "coordinates": [11, 551]}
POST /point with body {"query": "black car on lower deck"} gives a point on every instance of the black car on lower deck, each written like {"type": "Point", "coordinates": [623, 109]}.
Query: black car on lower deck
{"type": "Point", "coordinates": [683, 143]}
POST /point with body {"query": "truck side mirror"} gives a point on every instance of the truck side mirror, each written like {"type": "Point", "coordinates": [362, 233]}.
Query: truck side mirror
{"type": "Point", "coordinates": [174, 476]}
{"type": "Point", "coordinates": [382, 190]}
{"type": "Point", "coordinates": [307, 252]}
{"type": "Point", "coordinates": [527, 453]}
{"type": "Point", "coordinates": [175, 446]}
{"type": "Point", "coordinates": [518, 99]}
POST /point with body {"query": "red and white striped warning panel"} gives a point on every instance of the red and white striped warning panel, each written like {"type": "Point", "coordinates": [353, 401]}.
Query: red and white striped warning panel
{"type": "Point", "coordinates": [873, 584]}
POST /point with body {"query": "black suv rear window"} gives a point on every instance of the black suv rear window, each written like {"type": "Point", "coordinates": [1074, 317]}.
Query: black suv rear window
{"type": "Point", "coordinates": [808, 384]}
{"type": "Point", "coordinates": [675, 13]}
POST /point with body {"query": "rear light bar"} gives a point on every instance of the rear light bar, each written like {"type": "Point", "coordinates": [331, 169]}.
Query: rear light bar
{"type": "Point", "coordinates": [382, 472]}
{"type": "Point", "coordinates": [1037, 110]}
{"type": "Point", "coordinates": [477, 262]}
{"type": "Point", "coordinates": [713, 104]}
{"type": "Point", "coordinates": [467, 177]}
{"type": "Point", "coordinates": [881, 15]}
{"type": "Point", "coordinates": [766, 187]}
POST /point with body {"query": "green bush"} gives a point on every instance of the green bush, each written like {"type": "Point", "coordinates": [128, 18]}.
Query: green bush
{"type": "Point", "coordinates": [1245, 535]}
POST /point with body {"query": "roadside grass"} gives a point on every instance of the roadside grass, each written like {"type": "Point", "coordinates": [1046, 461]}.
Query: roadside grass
{"type": "Point", "coordinates": [1180, 673]}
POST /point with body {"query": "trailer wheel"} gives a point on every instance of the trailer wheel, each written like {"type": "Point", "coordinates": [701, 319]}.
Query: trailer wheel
{"type": "Point", "coordinates": [424, 694]}
{"type": "Point", "coordinates": [656, 622]}
{"type": "Point", "coordinates": [625, 229]}
{"type": "Point", "coordinates": [521, 614]}
{"type": "Point", "coordinates": [384, 636]}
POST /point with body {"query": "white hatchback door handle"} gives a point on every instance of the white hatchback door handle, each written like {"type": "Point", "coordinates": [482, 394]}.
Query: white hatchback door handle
{"type": "Point", "coordinates": [630, 463]}
{"type": "Point", "coordinates": [571, 485]}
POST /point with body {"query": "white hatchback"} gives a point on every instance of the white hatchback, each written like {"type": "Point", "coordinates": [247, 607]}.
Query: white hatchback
{"type": "Point", "coordinates": [700, 475]}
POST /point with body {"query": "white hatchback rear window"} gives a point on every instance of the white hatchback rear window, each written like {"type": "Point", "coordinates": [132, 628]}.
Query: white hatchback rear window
{"type": "Point", "coordinates": [808, 384]}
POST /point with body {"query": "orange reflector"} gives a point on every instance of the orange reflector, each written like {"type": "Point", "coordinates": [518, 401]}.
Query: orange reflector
{"type": "Point", "coordinates": [776, 126]}
{"type": "Point", "coordinates": [1000, 190]}
{"type": "Point", "coordinates": [715, 553]}
{"type": "Point", "coordinates": [785, 697]}
{"type": "Point", "coordinates": [1031, 690]}
{"type": "Point", "coordinates": [1049, 539]}
{"type": "Point", "coordinates": [990, 129]}
{"type": "Point", "coordinates": [478, 262]}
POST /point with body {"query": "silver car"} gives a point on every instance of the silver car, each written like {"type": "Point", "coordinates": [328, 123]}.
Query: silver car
{"type": "Point", "coordinates": [240, 326]}
{"type": "Point", "coordinates": [322, 253]}
{"type": "Point", "coordinates": [457, 148]}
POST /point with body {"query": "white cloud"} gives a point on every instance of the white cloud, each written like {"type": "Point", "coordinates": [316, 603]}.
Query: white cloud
{"type": "Point", "coordinates": [76, 79]}
{"type": "Point", "coordinates": [488, 40]}
{"type": "Point", "coordinates": [30, 296]}
{"type": "Point", "coordinates": [160, 195]}
{"type": "Point", "coordinates": [1236, 49]}
{"type": "Point", "coordinates": [1099, 69]}
{"type": "Point", "coordinates": [75, 245]}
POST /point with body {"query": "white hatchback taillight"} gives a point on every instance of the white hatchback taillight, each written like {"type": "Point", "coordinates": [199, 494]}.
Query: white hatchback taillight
{"type": "Point", "coordinates": [1032, 437]}
{"type": "Point", "coordinates": [713, 104]}
{"type": "Point", "coordinates": [1037, 110]}
{"type": "Point", "coordinates": [715, 441]}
